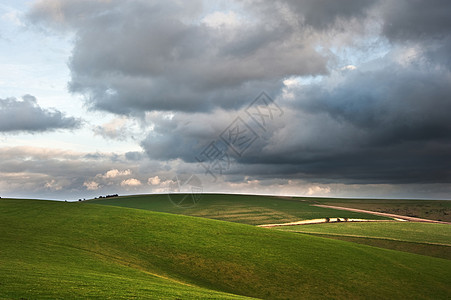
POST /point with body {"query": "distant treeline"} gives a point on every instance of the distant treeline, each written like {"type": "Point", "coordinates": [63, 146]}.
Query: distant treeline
{"type": "Point", "coordinates": [101, 197]}
{"type": "Point", "coordinates": [107, 196]}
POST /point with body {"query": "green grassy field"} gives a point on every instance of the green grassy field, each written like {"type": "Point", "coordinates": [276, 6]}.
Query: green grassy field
{"type": "Point", "coordinates": [246, 209]}
{"type": "Point", "coordinates": [51, 250]}
{"type": "Point", "coordinates": [422, 238]}
{"type": "Point", "coordinates": [429, 209]}
{"type": "Point", "coordinates": [80, 250]}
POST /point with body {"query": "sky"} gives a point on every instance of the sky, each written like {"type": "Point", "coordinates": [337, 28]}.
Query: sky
{"type": "Point", "coordinates": [319, 98]}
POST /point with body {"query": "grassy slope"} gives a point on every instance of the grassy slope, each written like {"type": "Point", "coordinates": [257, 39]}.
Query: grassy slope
{"type": "Point", "coordinates": [54, 250]}
{"type": "Point", "coordinates": [75, 250]}
{"type": "Point", "coordinates": [247, 209]}
{"type": "Point", "coordinates": [428, 209]}
{"type": "Point", "coordinates": [422, 238]}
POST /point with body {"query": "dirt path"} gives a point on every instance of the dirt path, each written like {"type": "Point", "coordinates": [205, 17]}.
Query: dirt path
{"type": "Point", "coordinates": [411, 219]}
{"type": "Point", "coordinates": [323, 220]}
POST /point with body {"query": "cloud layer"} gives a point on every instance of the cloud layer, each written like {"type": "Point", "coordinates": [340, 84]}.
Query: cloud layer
{"type": "Point", "coordinates": [147, 55]}
{"type": "Point", "coordinates": [364, 86]}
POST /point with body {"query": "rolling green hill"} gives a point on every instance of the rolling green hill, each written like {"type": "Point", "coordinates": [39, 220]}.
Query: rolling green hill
{"type": "Point", "coordinates": [247, 209]}
{"type": "Point", "coordinates": [79, 250]}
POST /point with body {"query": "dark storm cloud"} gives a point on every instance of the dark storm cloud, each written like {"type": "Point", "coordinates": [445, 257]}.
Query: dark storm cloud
{"type": "Point", "coordinates": [386, 123]}
{"type": "Point", "coordinates": [416, 20]}
{"type": "Point", "coordinates": [134, 156]}
{"type": "Point", "coordinates": [395, 103]}
{"type": "Point", "coordinates": [426, 23]}
{"type": "Point", "coordinates": [319, 14]}
{"type": "Point", "coordinates": [321, 148]}
{"type": "Point", "coordinates": [183, 135]}
{"type": "Point", "coordinates": [135, 56]}
{"type": "Point", "coordinates": [27, 116]}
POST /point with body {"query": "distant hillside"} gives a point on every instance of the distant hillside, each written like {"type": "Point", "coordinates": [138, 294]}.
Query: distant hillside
{"type": "Point", "coordinates": [247, 209]}
{"type": "Point", "coordinates": [439, 210]}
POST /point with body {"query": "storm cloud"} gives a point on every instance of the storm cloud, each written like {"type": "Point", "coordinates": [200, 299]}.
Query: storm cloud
{"type": "Point", "coordinates": [153, 55]}
{"type": "Point", "coordinates": [26, 115]}
{"type": "Point", "coordinates": [365, 86]}
{"type": "Point", "coordinates": [416, 20]}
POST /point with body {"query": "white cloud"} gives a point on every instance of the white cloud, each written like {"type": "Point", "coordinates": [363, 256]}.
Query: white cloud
{"type": "Point", "coordinates": [53, 185]}
{"type": "Point", "coordinates": [115, 173]}
{"type": "Point", "coordinates": [120, 128]}
{"type": "Point", "coordinates": [349, 68]}
{"type": "Point", "coordinates": [91, 185]}
{"type": "Point", "coordinates": [131, 182]}
{"type": "Point", "coordinates": [407, 56]}
{"type": "Point", "coordinates": [317, 190]}
{"type": "Point", "coordinates": [221, 19]}
{"type": "Point", "coordinates": [154, 180]}
{"type": "Point", "coordinates": [292, 81]}
{"type": "Point", "coordinates": [13, 17]}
